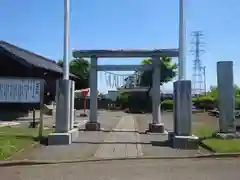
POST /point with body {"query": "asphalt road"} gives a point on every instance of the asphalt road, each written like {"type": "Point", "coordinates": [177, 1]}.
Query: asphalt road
{"type": "Point", "coordinates": [188, 169]}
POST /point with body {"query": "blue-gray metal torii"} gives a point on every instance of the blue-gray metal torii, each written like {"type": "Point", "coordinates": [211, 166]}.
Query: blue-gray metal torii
{"type": "Point", "coordinates": [182, 110]}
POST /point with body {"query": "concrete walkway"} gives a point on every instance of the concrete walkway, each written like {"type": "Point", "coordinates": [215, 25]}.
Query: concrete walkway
{"type": "Point", "coordinates": [121, 144]}
{"type": "Point", "coordinates": [120, 140]}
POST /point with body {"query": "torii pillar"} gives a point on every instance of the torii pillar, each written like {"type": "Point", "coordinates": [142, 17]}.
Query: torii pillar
{"type": "Point", "coordinates": [93, 124]}
{"type": "Point", "coordinates": [156, 125]}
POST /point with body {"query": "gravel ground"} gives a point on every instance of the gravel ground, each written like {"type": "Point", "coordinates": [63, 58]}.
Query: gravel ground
{"type": "Point", "coordinates": [142, 120]}
{"type": "Point", "coordinates": [188, 169]}
{"type": "Point", "coordinates": [159, 147]}
{"type": "Point", "coordinates": [204, 118]}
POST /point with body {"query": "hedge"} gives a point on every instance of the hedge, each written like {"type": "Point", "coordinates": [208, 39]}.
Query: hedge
{"type": "Point", "coordinates": [205, 102]}
{"type": "Point", "coordinates": [135, 102]}
{"type": "Point", "coordinates": [237, 103]}
{"type": "Point", "coordinates": [167, 105]}
{"type": "Point", "coordinates": [200, 103]}
{"type": "Point", "coordinates": [209, 103]}
{"type": "Point", "coordinates": [122, 101]}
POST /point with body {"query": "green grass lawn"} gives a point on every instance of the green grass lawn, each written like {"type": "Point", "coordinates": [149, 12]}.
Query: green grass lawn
{"type": "Point", "coordinates": [223, 146]}
{"type": "Point", "coordinates": [218, 145]}
{"type": "Point", "coordinates": [203, 131]}
{"type": "Point", "coordinates": [16, 139]}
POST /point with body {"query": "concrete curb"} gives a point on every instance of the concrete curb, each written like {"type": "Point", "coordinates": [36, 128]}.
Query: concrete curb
{"type": "Point", "coordinates": [39, 162]}
{"type": "Point", "coordinates": [203, 145]}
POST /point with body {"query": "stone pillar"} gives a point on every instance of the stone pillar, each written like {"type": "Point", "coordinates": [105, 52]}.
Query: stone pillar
{"type": "Point", "coordinates": [93, 125]}
{"type": "Point", "coordinates": [156, 125]}
{"type": "Point", "coordinates": [182, 108]}
{"type": "Point", "coordinates": [72, 110]}
{"type": "Point", "coordinates": [226, 97]}
{"type": "Point", "coordinates": [182, 137]}
{"type": "Point", "coordinates": [62, 117]}
{"type": "Point", "coordinates": [63, 134]}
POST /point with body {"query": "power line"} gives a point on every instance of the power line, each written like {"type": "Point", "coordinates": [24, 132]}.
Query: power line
{"type": "Point", "coordinates": [198, 77]}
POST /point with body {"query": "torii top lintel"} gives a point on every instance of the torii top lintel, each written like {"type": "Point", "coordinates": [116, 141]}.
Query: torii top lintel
{"type": "Point", "coordinates": [125, 53]}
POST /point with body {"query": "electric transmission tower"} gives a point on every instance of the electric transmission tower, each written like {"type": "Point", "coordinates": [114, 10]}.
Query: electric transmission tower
{"type": "Point", "coordinates": [198, 79]}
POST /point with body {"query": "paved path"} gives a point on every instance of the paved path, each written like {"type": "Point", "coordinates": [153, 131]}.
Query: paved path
{"type": "Point", "coordinates": [143, 120]}
{"type": "Point", "coordinates": [121, 144]}
{"type": "Point", "coordinates": [189, 169]}
{"type": "Point", "coordinates": [84, 147]}
{"type": "Point", "coordinates": [112, 143]}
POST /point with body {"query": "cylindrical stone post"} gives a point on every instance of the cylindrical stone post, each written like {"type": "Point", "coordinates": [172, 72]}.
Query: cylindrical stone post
{"type": "Point", "coordinates": [226, 97]}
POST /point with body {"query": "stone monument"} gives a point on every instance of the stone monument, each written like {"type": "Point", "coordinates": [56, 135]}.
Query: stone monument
{"type": "Point", "coordinates": [182, 137]}
{"type": "Point", "coordinates": [226, 100]}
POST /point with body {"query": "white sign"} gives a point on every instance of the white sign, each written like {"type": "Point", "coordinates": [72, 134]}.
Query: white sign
{"type": "Point", "coordinates": [20, 91]}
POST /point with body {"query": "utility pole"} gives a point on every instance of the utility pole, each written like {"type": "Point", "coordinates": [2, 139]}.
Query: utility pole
{"type": "Point", "coordinates": [204, 77]}
{"type": "Point", "coordinates": [198, 81]}
{"type": "Point", "coordinates": [65, 84]}
{"type": "Point", "coordinates": [66, 41]}
{"type": "Point", "coordinates": [182, 55]}
{"type": "Point", "coordinates": [63, 88]}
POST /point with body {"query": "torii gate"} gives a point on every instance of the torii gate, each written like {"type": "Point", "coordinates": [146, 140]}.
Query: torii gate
{"type": "Point", "coordinates": [181, 137]}
{"type": "Point", "coordinates": [156, 125]}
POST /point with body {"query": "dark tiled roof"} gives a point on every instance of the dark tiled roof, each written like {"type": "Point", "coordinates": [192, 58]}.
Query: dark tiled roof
{"type": "Point", "coordinates": [31, 58]}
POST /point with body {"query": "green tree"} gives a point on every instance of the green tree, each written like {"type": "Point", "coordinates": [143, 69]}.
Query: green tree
{"type": "Point", "coordinates": [237, 91]}
{"type": "Point", "coordinates": [80, 68]}
{"type": "Point", "coordinates": [168, 70]}
{"type": "Point", "coordinates": [214, 91]}
{"type": "Point", "coordinates": [60, 62]}
{"type": "Point", "coordinates": [101, 95]}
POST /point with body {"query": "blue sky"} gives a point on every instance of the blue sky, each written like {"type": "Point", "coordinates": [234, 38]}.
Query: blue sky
{"type": "Point", "coordinates": [37, 25]}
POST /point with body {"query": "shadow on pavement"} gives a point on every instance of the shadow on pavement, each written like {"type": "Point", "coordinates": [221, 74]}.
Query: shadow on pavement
{"type": "Point", "coordinates": [118, 131]}
{"type": "Point", "coordinates": [153, 143]}
{"type": "Point", "coordinates": [161, 143]}
{"type": "Point", "coordinates": [122, 142]}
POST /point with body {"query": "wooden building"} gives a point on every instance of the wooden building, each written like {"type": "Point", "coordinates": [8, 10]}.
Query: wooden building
{"type": "Point", "coordinates": [19, 62]}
